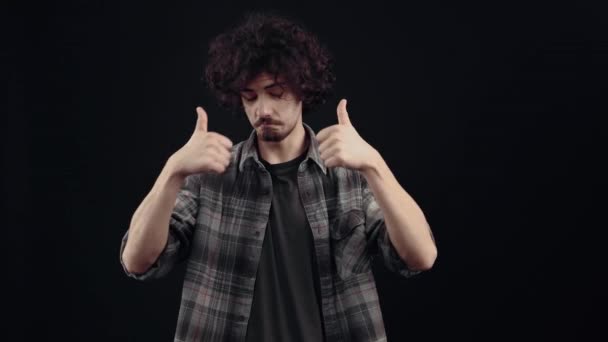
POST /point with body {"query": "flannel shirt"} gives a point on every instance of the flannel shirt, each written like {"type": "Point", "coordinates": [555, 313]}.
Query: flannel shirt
{"type": "Point", "coordinates": [218, 224]}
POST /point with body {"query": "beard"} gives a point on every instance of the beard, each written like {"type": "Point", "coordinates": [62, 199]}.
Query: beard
{"type": "Point", "coordinates": [271, 134]}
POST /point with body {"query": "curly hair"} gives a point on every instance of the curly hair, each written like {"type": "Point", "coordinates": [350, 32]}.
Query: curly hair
{"type": "Point", "coordinates": [268, 42]}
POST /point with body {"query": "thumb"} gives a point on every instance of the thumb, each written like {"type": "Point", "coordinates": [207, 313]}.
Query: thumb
{"type": "Point", "coordinates": [201, 121]}
{"type": "Point", "coordinates": [343, 118]}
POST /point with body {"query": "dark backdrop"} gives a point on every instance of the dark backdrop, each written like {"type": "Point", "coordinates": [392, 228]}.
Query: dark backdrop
{"type": "Point", "coordinates": [490, 116]}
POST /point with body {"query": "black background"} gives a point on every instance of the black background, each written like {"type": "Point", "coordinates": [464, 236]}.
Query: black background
{"type": "Point", "coordinates": [490, 116]}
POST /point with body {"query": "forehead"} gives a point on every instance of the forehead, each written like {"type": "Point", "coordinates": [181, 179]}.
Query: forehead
{"type": "Point", "coordinates": [263, 80]}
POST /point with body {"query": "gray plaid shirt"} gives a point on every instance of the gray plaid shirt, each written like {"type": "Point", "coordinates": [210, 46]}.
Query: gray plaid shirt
{"type": "Point", "coordinates": [218, 226]}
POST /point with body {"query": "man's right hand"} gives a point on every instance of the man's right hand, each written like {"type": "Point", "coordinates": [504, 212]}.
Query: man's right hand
{"type": "Point", "coordinates": [204, 152]}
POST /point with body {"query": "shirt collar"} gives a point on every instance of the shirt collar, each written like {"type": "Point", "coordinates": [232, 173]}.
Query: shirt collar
{"type": "Point", "coordinates": [250, 151]}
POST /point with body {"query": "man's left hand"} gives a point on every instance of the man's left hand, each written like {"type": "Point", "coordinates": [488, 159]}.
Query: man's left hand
{"type": "Point", "coordinates": [341, 145]}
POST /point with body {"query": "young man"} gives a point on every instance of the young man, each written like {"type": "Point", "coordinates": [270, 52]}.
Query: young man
{"type": "Point", "coordinates": [278, 231]}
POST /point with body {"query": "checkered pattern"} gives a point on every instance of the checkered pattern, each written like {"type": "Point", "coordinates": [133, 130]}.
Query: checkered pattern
{"type": "Point", "coordinates": [218, 226]}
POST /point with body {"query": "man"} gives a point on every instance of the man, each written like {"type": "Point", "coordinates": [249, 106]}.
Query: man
{"type": "Point", "coordinates": [278, 231]}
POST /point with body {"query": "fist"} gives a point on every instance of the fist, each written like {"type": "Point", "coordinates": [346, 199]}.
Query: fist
{"type": "Point", "coordinates": [204, 152]}
{"type": "Point", "coordinates": [341, 144]}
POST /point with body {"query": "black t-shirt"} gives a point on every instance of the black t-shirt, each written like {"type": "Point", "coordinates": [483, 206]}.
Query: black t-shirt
{"type": "Point", "coordinates": [287, 297]}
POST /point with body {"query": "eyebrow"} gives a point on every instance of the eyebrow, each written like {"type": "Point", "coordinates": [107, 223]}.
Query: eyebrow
{"type": "Point", "coordinates": [267, 87]}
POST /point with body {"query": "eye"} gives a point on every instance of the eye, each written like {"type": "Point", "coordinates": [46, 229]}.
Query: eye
{"type": "Point", "coordinates": [248, 97]}
{"type": "Point", "coordinates": [276, 91]}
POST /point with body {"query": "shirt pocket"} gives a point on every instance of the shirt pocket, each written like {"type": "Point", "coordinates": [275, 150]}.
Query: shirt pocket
{"type": "Point", "coordinates": [349, 244]}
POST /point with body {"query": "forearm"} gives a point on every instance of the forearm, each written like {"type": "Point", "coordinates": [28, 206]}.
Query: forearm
{"type": "Point", "coordinates": [405, 222]}
{"type": "Point", "coordinates": [149, 228]}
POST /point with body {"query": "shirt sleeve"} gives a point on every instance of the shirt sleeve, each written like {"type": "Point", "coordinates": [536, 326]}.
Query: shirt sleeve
{"type": "Point", "coordinates": [378, 239]}
{"type": "Point", "coordinates": [181, 227]}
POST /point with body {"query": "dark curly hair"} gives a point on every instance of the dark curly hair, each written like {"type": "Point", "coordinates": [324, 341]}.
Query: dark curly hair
{"type": "Point", "coordinates": [269, 42]}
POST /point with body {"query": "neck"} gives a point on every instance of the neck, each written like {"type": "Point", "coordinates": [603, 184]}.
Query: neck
{"type": "Point", "coordinates": [285, 150]}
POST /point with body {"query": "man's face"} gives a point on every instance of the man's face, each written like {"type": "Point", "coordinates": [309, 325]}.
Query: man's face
{"type": "Point", "coordinates": [271, 107]}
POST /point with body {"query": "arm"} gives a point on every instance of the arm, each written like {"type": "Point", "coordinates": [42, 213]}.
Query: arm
{"type": "Point", "coordinates": [163, 223]}
{"type": "Point", "coordinates": [149, 228]}
{"type": "Point", "coordinates": [406, 224]}
{"type": "Point", "coordinates": [408, 230]}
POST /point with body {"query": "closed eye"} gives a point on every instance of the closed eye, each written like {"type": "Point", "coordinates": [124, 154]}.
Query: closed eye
{"type": "Point", "coordinates": [253, 98]}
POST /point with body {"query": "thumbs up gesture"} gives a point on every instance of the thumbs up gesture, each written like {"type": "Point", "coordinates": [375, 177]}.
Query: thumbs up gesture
{"type": "Point", "coordinates": [204, 152]}
{"type": "Point", "coordinates": [341, 145]}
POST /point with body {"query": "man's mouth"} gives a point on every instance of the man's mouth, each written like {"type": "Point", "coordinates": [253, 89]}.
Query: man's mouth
{"type": "Point", "coordinates": [267, 123]}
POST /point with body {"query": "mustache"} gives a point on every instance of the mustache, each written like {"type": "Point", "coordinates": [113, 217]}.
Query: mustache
{"type": "Point", "coordinates": [266, 120]}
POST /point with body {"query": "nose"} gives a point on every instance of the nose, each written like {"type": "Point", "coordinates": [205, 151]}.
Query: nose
{"type": "Point", "coordinates": [263, 108]}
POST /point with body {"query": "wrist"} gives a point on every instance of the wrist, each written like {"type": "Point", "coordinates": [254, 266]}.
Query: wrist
{"type": "Point", "coordinates": [172, 172]}
{"type": "Point", "coordinates": [373, 165]}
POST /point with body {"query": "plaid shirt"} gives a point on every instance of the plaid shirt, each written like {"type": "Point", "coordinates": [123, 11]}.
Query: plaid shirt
{"type": "Point", "coordinates": [218, 226]}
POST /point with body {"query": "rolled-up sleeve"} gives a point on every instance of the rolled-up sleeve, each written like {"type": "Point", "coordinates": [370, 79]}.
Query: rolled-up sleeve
{"type": "Point", "coordinates": [181, 228]}
{"type": "Point", "coordinates": [378, 239]}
